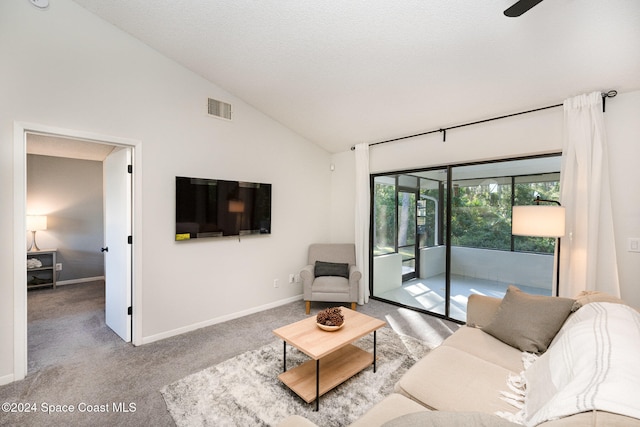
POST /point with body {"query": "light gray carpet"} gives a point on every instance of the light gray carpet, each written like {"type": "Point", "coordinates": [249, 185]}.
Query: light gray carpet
{"type": "Point", "coordinates": [74, 358]}
{"type": "Point", "coordinates": [245, 390]}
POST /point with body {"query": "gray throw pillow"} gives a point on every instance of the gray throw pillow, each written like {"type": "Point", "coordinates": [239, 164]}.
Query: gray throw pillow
{"type": "Point", "coordinates": [449, 419]}
{"type": "Point", "coordinates": [331, 269]}
{"type": "Point", "coordinates": [528, 322]}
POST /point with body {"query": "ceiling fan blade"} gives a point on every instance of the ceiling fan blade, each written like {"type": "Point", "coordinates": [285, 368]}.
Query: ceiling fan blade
{"type": "Point", "coordinates": [520, 7]}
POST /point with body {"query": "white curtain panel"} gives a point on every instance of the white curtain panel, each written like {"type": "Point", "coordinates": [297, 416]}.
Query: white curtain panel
{"type": "Point", "coordinates": [362, 219]}
{"type": "Point", "coordinates": [588, 256]}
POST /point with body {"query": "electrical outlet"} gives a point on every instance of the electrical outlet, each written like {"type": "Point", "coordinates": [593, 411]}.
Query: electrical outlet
{"type": "Point", "coordinates": [276, 283]}
{"type": "Point", "coordinates": [633, 244]}
{"type": "Point", "coordinates": [58, 266]}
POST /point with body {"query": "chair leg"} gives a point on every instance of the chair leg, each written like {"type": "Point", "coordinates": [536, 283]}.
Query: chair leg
{"type": "Point", "coordinates": [353, 306]}
{"type": "Point", "coordinates": [308, 306]}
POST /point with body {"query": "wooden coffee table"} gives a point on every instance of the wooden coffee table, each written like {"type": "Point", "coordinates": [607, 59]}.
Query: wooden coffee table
{"type": "Point", "coordinates": [333, 352]}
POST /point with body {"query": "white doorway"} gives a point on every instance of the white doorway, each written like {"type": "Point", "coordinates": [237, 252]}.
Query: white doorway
{"type": "Point", "coordinates": [120, 287]}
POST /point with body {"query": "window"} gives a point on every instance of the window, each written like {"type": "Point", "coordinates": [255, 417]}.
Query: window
{"type": "Point", "coordinates": [441, 234]}
{"type": "Point", "coordinates": [481, 213]}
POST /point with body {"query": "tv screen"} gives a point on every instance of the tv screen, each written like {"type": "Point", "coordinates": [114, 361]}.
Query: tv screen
{"type": "Point", "coordinates": [218, 208]}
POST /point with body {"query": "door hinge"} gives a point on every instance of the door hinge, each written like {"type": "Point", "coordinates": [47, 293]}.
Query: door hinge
{"type": "Point", "coordinates": [130, 310]}
{"type": "Point", "coordinates": [130, 168]}
{"type": "Point", "coordinates": [130, 240]}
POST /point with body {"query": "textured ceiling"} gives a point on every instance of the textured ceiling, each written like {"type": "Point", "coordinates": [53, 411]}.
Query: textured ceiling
{"type": "Point", "coordinates": [340, 72]}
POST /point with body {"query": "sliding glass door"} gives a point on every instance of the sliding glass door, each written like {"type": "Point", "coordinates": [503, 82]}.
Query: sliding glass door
{"type": "Point", "coordinates": [409, 225]}
{"type": "Point", "coordinates": [441, 234]}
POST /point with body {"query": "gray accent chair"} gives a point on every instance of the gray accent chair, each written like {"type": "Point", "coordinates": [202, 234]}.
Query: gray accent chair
{"type": "Point", "coordinates": [331, 288]}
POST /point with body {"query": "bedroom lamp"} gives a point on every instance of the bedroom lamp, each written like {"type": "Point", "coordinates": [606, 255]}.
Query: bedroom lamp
{"type": "Point", "coordinates": [35, 223]}
{"type": "Point", "coordinates": [540, 221]}
{"type": "Point", "coordinates": [236, 206]}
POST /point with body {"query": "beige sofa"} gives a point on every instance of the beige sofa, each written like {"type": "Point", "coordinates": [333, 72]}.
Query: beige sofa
{"type": "Point", "coordinates": [465, 378]}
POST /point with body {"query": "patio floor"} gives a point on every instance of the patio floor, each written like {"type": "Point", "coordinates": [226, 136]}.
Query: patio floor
{"type": "Point", "coordinates": [429, 294]}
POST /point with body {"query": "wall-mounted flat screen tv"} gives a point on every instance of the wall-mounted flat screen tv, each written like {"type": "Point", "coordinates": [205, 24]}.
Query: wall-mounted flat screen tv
{"type": "Point", "coordinates": [218, 208]}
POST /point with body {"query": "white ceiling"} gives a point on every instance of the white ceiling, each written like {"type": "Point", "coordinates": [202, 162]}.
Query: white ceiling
{"type": "Point", "coordinates": [49, 145]}
{"type": "Point", "coordinates": [340, 72]}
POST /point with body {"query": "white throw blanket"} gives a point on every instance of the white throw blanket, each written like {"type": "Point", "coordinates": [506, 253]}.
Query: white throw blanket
{"type": "Point", "coordinates": [592, 364]}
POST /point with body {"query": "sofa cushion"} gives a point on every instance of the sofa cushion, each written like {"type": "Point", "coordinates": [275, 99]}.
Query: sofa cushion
{"type": "Point", "coordinates": [448, 379]}
{"type": "Point", "coordinates": [339, 269]}
{"type": "Point", "coordinates": [529, 322]}
{"type": "Point", "coordinates": [330, 284]}
{"type": "Point", "coordinates": [593, 419]}
{"type": "Point", "coordinates": [486, 347]}
{"type": "Point", "coordinates": [389, 408]}
{"type": "Point", "coordinates": [449, 419]}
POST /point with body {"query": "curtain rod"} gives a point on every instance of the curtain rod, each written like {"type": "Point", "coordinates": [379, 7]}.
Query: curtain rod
{"type": "Point", "coordinates": [605, 95]}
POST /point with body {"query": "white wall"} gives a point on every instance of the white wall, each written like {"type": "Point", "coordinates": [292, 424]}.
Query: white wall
{"type": "Point", "coordinates": [533, 133]}
{"type": "Point", "coordinates": [622, 120]}
{"type": "Point", "coordinates": [343, 193]}
{"type": "Point", "coordinates": [515, 268]}
{"type": "Point", "coordinates": [67, 69]}
{"type": "Point", "coordinates": [529, 134]}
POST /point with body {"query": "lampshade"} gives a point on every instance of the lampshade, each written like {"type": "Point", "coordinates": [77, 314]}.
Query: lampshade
{"type": "Point", "coordinates": [36, 222]}
{"type": "Point", "coordinates": [538, 221]}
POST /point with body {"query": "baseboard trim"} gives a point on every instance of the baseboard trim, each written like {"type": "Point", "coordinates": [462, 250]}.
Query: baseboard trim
{"type": "Point", "coordinates": [6, 379]}
{"type": "Point", "coordinates": [221, 319]}
{"type": "Point", "coordinates": [76, 281]}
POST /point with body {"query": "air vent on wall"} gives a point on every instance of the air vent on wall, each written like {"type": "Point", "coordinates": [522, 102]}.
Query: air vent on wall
{"type": "Point", "coordinates": [219, 109]}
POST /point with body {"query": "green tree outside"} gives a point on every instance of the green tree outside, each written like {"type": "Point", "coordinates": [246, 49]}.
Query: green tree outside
{"type": "Point", "coordinates": [480, 214]}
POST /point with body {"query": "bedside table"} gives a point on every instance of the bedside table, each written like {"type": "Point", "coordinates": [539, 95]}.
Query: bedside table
{"type": "Point", "coordinates": [45, 275]}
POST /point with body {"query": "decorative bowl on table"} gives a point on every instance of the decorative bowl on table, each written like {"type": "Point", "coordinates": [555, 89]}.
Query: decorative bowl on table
{"type": "Point", "coordinates": [329, 328]}
{"type": "Point", "coordinates": [330, 319]}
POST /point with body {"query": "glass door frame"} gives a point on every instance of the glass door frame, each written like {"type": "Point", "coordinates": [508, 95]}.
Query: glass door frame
{"type": "Point", "coordinates": [416, 252]}
{"type": "Point", "coordinates": [446, 237]}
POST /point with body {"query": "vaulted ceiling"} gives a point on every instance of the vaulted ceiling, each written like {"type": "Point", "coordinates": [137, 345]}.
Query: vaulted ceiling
{"type": "Point", "coordinates": [340, 72]}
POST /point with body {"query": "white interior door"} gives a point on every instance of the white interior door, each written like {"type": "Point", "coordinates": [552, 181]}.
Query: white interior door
{"type": "Point", "coordinates": [117, 250]}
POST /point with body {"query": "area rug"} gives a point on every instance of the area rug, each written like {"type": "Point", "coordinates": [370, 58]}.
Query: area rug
{"type": "Point", "coordinates": [245, 390]}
